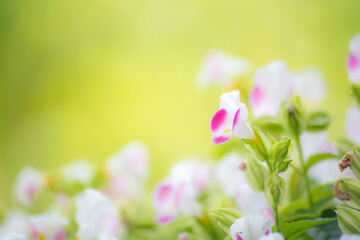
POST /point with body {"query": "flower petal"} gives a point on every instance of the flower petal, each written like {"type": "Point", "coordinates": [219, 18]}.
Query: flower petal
{"type": "Point", "coordinates": [241, 129]}
{"type": "Point", "coordinates": [221, 126]}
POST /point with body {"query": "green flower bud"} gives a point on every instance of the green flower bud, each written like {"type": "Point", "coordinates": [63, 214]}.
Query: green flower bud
{"type": "Point", "coordinates": [256, 174]}
{"type": "Point", "coordinates": [282, 150]}
{"type": "Point", "coordinates": [274, 189]}
{"type": "Point", "coordinates": [260, 146]}
{"type": "Point", "coordinates": [351, 159]}
{"type": "Point", "coordinates": [294, 117]}
{"type": "Point", "coordinates": [225, 217]}
{"type": "Point", "coordinates": [349, 219]}
{"type": "Point", "coordinates": [350, 187]}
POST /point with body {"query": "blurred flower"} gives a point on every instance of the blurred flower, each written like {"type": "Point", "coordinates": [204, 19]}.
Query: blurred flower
{"type": "Point", "coordinates": [230, 119]}
{"type": "Point", "coordinates": [273, 84]}
{"type": "Point", "coordinates": [15, 221]}
{"type": "Point", "coordinates": [250, 227]}
{"type": "Point", "coordinates": [48, 226]}
{"type": "Point", "coordinates": [228, 175]}
{"type": "Point", "coordinates": [128, 169]}
{"type": "Point", "coordinates": [314, 143]}
{"type": "Point", "coordinates": [353, 60]}
{"type": "Point", "coordinates": [221, 69]}
{"type": "Point", "coordinates": [352, 127]}
{"type": "Point", "coordinates": [350, 237]}
{"type": "Point", "coordinates": [78, 171]}
{"type": "Point", "coordinates": [13, 236]}
{"type": "Point", "coordinates": [27, 186]}
{"type": "Point", "coordinates": [251, 202]}
{"type": "Point", "coordinates": [178, 193]}
{"type": "Point", "coordinates": [95, 215]}
{"type": "Point", "coordinates": [310, 86]}
{"type": "Point", "coordinates": [272, 236]}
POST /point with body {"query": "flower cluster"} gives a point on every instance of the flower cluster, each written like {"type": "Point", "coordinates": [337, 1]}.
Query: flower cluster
{"type": "Point", "coordinates": [280, 177]}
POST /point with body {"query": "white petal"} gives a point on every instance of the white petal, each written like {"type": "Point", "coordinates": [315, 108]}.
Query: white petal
{"type": "Point", "coordinates": [272, 236]}
{"type": "Point", "coordinates": [241, 128]}
{"type": "Point", "coordinates": [350, 237]}
{"type": "Point", "coordinates": [354, 45]}
{"type": "Point", "coordinates": [230, 101]}
{"type": "Point", "coordinates": [353, 124]}
{"type": "Point", "coordinates": [250, 227]}
{"type": "Point", "coordinates": [80, 171]}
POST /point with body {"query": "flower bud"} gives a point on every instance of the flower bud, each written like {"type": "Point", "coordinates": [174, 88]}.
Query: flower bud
{"type": "Point", "coordinates": [224, 217]}
{"type": "Point", "coordinates": [348, 219]}
{"type": "Point", "coordinates": [256, 174]}
{"type": "Point", "coordinates": [293, 116]}
{"type": "Point", "coordinates": [348, 189]}
{"type": "Point", "coordinates": [274, 189]}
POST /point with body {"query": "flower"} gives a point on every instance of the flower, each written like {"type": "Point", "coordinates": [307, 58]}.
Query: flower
{"type": "Point", "coordinates": [250, 227]}
{"type": "Point", "coordinates": [95, 215]}
{"type": "Point", "coordinates": [353, 60]}
{"type": "Point", "coordinates": [172, 197]}
{"type": "Point", "coordinates": [13, 236]}
{"type": "Point", "coordinates": [350, 237]}
{"type": "Point", "coordinates": [15, 221]}
{"type": "Point", "coordinates": [221, 69]}
{"type": "Point", "coordinates": [310, 86]}
{"type": "Point", "coordinates": [48, 226]}
{"type": "Point", "coordinates": [251, 202]}
{"type": "Point", "coordinates": [228, 175]}
{"type": "Point", "coordinates": [273, 85]}
{"type": "Point", "coordinates": [272, 236]}
{"type": "Point", "coordinates": [78, 171]}
{"type": "Point", "coordinates": [128, 169]}
{"type": "Point", "coordinates": [28, 185]}
{"type": "Point", "coordinates": [230, 119]}
{"type": "Point", "coordinates": [352, 126]}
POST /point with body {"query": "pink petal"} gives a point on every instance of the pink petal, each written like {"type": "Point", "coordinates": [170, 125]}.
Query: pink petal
{"type": "Point", "coordinates": [164, 219]}
{"type": "Point", "coordinates": [163, 192]}
{"type": "Point", "coordinates": [218, 119]}
{"type": "Point", "coordinates": [352, 62]}
{"type": "Point", "coordinates": [238, 237]}
{"type": "Point", "coordinates": [257, 95]}
{"type": "Point", "coordinates": [220, 139]}
{"type": "Point", "coordinates": [61, 235]}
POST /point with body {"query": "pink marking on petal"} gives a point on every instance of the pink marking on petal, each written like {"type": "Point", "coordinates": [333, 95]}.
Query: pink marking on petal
{"type": "Point", "coordinates": [352, 62]}
{"type": "Point", "coordinates": [179, 194]}
{"type": "Point", "coordinates": [35, 232]}
{"type": "Point", "coordinates": [112, 224]}
{"type": "Point", "coordinates": [236, 118]}
{"type": "Point", "coordinates": [257, 95]}
{"type": "Point", "coordinates": [218, 119]}
{"type": "Point", "coordinates": [61, 235]}
{"type": "Point", "coordinates": [220, 139]}
{"type": "Point", "coordinates": [163, 192]}
{"type": "Point", "coordinates": [267, 232]}
{"type": "Point", "coordinates": [238, 237]}
{"type": "Point", "coordinates": [164, 219]}
{"type": "Point", "coordinates": [30, 191]}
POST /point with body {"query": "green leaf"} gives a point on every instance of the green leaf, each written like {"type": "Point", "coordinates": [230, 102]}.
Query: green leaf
{"type": "Point", "coordinates": [295, 229]}
{"type": "Point", "coordinates": [224, 217]}
{"type": "Point", "coordinates": [327, 231]}
{"type": "Point", "coordinates": [356, 92]}
{"type": "Point", "coordinates": [297, 218]}
{"type": "Point", "coordinates": [284, 166]}
{"type": "Point", "coordinates": [281, 151]}
{"type": "Point", "coordinates": [317, 121]}
{"type": "Point", "coordinates": [318, 158]}
{"type": "Point", "coordinates": [269, 123]}
{"type": "Point", "coordinates": [294, 206]}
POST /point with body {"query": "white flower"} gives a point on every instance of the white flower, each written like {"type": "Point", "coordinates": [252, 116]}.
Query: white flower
{"type": "Point", "coordinates": [353, 123]}
{"type": "Point", "coordinates": [310, 86]}
{"type": "Point", "coordinates": [221, 69]}
{"type": "Point", "coordinates": [350, 237]}
{"type": "Point", "coordinates": [272, 236]}
{"type": "Point", "coordinates": [28, 185]}
{"type": "Point", "coordinates": [250, 227]}
{"type": "Point", "coordinates": [353, 60]}
{"type": "Point", "coordinates": [48, 226]}
{"type": "Point", "coordinates": [13, 236]}
{"type": "Point", "coordinates": [128, 169]}
{"type": "Point", "coordinates": [95, 215]}
{"type": "Point", "coordinates": [230, 119]}
{"type": "Point", "coordinates": [228, 175]}
{"type": "Point", "coordinates": [78, 171]}
{"type": "Point", "coordinates": [314, 143]}
{"type": "Point", "coordinates": [273, 85]}
{"type": "Point", "coordinates": [16, 221]}
{"type": "Point", "coordinates": [251, 202]}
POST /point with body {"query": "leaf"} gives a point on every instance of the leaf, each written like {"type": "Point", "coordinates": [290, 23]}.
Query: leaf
{"type": "Point", "coordinates": [317, 121]}
{"type": "Point", "coordinates": [297, 228]}
{"type": "Point", "coordinates": [284, 166]}
{"type": "Point", "coordinates": [294, 206]}
{"type": "Point", "coordinates": [356, 93]}
{"type": "Point", "coordinates": [281, 150]}
{"type": "Point", "coordinates": [318, 158]}
{"type": "Point", "coordinates": [297, 218]}
{"type": "Point", "coordinates": [327, 231]}
{"type": "Point", "coordinates": [269, 123]}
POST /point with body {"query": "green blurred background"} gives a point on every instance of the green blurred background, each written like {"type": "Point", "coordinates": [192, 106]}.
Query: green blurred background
{"type": "Point", "coordinates": [82, 78]}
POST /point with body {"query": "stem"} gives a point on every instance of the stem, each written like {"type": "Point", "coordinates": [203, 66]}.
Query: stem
{"type": "Point", "coordinates": [276, 215]}
{"type": "Point", "coordinates": [304, 172]}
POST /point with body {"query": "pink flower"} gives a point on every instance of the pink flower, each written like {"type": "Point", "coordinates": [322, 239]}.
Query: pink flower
{"type": "Point", "coordinates": [230, 119]}
{"type": "Point", "coordinates": [353, 60]}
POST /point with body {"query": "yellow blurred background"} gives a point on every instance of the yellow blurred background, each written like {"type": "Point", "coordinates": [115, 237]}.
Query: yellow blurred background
{"type": "Point", "coordinates": [79, 79]}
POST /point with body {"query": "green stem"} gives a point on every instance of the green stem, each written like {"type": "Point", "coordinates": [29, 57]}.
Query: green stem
{"type": "Point", "coordinates": [276, 215]}
{"type": "Point", "coordinates": [304, 172]}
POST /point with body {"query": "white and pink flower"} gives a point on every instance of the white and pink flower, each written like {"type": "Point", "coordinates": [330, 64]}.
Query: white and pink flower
{"type": "Point", "coordinates": [27, 186]}
{"type": "Point", "coordinates": [48, 226]}
{"type": "Point", "coordinates": [96, 216]}
{"type": "Point", "coordinates": [221, 69]}
{"type": "Point", "coordinates": [353, 60]}
{"type": "Point", "coordinates": [250, 227]}
{"type": "Point", "coordinates": [81, 171]}
{"type": "Point", "coordinates": [352, 128]}
{"type": "Point", "coordinates": [273, 85]}
{"type": "Point", "coordinates": [230, 119]}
